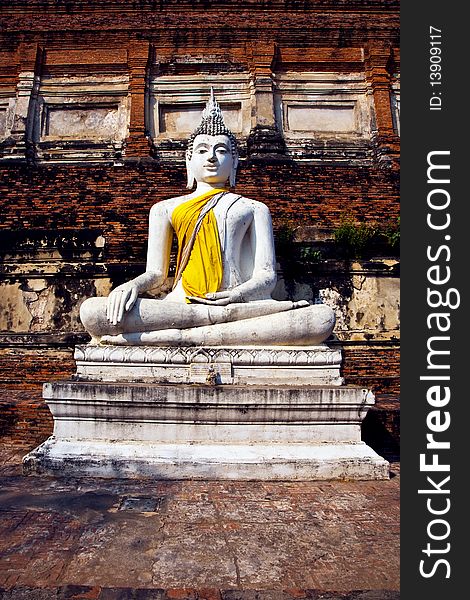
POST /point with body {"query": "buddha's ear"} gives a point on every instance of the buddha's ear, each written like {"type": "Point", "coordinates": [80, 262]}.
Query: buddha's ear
{"type": "Point", "coordinates": [233, 172]}
{"type": "Point", "coordinates": [189, 171]}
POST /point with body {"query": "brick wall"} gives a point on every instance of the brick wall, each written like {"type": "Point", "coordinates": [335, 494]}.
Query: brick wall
{"type": "Point", "coordinates": [373, 366]}
{"type": "Point", "coordinates": [25, 420]}
{"type": "Point", "coordinates": [330, 21]}
{"type": "Point", "coordinates": [117, 200]}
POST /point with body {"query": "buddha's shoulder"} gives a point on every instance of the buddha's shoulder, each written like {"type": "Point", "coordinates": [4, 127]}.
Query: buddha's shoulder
{"type": "Point", "coordinates": [254, 204]}
{"type": "Point", "coordinates": [256, 207]}
{"type": "Point", "coordinates": [167, 205]}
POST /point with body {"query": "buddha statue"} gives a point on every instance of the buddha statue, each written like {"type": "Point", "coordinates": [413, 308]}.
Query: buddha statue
{"type": "Point", "coordinates": [225, 271]}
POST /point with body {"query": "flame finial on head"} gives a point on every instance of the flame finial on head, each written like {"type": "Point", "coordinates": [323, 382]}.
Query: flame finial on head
{"type": "Point", "coordinates": [212, 108]}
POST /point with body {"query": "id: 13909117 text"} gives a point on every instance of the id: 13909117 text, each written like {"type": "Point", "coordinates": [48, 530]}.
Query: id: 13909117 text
{"type": "Point", "coordinates": [435, 68]}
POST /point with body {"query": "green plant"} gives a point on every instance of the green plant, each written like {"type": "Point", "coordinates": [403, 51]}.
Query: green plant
{"type": "Point", "coordinates": [310, 255]}
{"type": "Point", "coordinates": [297, 259]}
{"type": "Point", "coordinates": [285, 237]}
{"type": "Point", "coordinates": [292, 252]}
{"type": "Point", "coordinates": [354, 238]}
{"type": "Point", "coordinates": [391, 233]}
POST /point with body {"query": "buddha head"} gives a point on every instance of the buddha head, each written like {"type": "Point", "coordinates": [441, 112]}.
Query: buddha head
{"type": "Point", "coordinates": [212, 154]}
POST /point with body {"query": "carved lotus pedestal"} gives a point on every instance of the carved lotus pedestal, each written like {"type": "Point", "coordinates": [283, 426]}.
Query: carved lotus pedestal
{"type": "Point", "coordinates": [272, 413]}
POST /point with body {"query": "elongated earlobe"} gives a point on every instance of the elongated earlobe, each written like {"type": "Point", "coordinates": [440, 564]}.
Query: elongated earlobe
{"type": "Point", "coordinates": [233, 172]}
{"type": "Point", "coordinates": [191, 179]}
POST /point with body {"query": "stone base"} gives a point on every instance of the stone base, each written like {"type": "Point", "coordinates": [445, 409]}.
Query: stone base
{"type": "Point", "coordinates": [247, 365]}
{"type": "Point", "coordinates": [281, 462]}
{"type": "Point", "coordinates": [183, 431]}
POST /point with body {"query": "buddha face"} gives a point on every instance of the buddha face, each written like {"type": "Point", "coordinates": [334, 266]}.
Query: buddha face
{"type": "Point", "coordinates": [212, 160]}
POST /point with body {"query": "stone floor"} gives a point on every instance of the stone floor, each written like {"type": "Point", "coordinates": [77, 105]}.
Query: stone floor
{"type": "Point", "coordinates": [118, 539]}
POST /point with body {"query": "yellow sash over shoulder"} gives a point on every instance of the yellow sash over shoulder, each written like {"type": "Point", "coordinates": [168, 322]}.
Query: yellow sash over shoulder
{"type": "Point", "coordinates": [199, 262]}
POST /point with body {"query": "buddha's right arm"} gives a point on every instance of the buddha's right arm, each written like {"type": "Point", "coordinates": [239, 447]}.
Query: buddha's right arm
{"type": "Point", "coordinates": [123, 298]}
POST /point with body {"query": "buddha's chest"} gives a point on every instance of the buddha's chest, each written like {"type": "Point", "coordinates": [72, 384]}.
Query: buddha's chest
{"type": "Point", "coordinates": [233, 223]}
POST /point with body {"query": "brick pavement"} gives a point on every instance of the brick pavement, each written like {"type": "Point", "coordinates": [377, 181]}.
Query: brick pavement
{"type": "Point", "coordinates": [84, 538]}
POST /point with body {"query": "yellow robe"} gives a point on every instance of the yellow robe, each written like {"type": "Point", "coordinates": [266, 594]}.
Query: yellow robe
{"type": "Point", "coordinates": [203, 271]}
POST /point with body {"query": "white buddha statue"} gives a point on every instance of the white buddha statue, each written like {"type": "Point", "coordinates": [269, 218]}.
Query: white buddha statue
{"type": "Point", "coordinates": [225, 270]}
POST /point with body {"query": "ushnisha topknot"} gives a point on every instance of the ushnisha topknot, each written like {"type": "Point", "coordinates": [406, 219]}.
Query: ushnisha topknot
{"type": "Point", "coordinates": [212, 123]}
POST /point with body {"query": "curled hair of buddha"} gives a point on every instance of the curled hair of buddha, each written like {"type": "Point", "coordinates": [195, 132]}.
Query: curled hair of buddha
{"type": "Point", "coordinates": [212, 123]}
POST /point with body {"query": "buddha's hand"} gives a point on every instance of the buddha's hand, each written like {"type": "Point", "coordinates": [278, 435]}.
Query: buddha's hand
{"type": "Point", "coordinates": [121, 300]}
{"type": "Point", "coordinates": [219, 298]}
